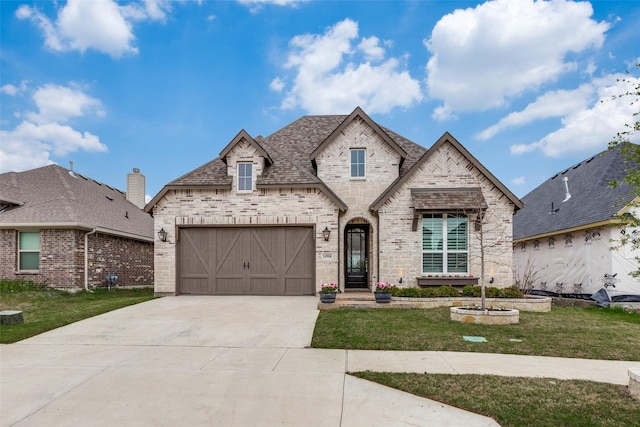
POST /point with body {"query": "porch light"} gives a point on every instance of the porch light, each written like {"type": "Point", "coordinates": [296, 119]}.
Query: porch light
{"type": "Point", "coordinates": [162, 235]}
{"type": "Point", "coordinates": [326, 233]}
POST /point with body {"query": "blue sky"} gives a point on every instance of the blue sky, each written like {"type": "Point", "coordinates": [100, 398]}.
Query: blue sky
{"type": "Point", "coordinates": [165, 85]}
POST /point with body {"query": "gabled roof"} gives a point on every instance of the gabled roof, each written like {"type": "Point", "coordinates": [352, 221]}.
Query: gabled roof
{"type": "Point", "coordinates": [358, 113]}
{"type": "Point", "coordinates": [54, 197]}
{"type": "Point", "coordinates": [592, 199]}
{"type": "Point", "coordinates": [243, 135]}
{"type": "Point", "coordinates": [293, 148]}
{"type": "Point", "coordinates": [446, 138]}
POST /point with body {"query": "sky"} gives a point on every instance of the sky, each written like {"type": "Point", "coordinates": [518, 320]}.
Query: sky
{"type": "Point", "coordinates": [529, 88]}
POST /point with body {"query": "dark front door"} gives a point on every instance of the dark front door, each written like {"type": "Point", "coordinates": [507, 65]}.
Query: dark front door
{"type": "Point", "coordinates": [356, 256]}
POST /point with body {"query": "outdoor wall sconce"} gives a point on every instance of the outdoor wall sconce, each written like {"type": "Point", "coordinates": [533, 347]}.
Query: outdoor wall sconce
{"type": "Point", "coordinates": [162, 235]}
{"type": "Point", "coordinates": [491, 281]}
{"type": "Point", "coordinates": [326, 233]}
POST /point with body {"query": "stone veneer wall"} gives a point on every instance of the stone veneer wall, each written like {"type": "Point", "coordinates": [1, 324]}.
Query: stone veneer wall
{"type": "Point", "coordinates": [401, 248]}
{"type": "Point", "coordinates": [289, 206]}
{"type": "Point", "coordinates": [62, 259]}
{"type": "Point", "coordinates": [381, 169]}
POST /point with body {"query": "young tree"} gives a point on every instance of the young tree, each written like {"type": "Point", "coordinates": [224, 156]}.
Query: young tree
{"type": "Point", "coordinates": [632, 156]}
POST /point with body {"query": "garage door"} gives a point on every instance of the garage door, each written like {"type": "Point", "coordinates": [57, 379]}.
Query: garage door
{"type": "Point", "coordinates": [246, 261]}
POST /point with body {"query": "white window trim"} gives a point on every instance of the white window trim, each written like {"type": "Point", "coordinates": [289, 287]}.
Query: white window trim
{"type": "Point", "coordinates": [358, 178]}
{"type": "Point", "coordinates": [445, 251]}
{"type": "Point", "coordinates": [21, 251]}
{"type": "Point", "coordinates": [238, 177]}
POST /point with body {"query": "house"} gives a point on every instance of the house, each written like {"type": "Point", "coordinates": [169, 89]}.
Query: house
{"type": "Point", "coordinates": [334, 198]}
{"type": "Point", "coordinates": [66, 230]}
{"type": "Point", "coordinates": [565, 234]}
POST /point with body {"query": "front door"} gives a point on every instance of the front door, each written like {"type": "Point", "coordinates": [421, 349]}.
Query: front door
{"type": "Point", "coordinates": [356, 256]}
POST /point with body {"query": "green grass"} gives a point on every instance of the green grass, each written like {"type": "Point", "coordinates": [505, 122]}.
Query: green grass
{"type": "Point", "coordinates": [589, 333]}
{"type": "Point", "coordinates": [44, 308]}
{"type": "Point", "coordinates": [532, 402]}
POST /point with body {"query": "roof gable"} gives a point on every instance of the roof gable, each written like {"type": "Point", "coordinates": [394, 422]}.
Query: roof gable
{"type": "Point", "coordinates": [52, 196]}
{"type": "Point", "coordinates": [355, 114]}
{"type": "Point", "coordinates": [592, 199]}
{"type": "Point", "coordinates": [446, 138]}
{"type": "Point", "coordinates": [243, 135]}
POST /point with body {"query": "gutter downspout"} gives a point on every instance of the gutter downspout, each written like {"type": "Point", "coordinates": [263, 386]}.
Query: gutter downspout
{"type": "Point", "coordinates": [86, 259]}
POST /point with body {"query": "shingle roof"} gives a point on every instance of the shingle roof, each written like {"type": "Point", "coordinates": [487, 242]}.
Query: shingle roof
{"type": "Point", "coordinates": [54, 196]}
{"type": "Point", "coordinates": [592, 199]}
{"type": "Point", "coordinates": [290, 148]}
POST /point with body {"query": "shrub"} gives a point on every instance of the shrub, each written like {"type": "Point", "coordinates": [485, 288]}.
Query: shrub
{"type": "Point", "coordinates": [447, 291]}
{"type": "Point", "coordinates": [492, 292]}
{"type": "Point", "coordinates": [472, 291]}
{"type": "Point", "coordinates": [512, 292]}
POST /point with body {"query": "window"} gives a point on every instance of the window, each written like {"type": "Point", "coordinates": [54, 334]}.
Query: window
{"type": "Point", "coordinates": [29, 250]}
{"type": "Point", "coordinates": [357, 163]}
{"type": "Point", "coordinates": [245, 176]}
{"type": "Point", "coordinates": [444, 243]}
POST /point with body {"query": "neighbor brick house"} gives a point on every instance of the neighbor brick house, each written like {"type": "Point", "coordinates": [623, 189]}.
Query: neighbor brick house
{"type": "Point", "coordinates": [331, 199]}
{"type": "Point", "coordinates": [66, 230]}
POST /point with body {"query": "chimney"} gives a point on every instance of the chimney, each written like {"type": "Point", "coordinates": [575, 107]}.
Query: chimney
{"type": "Point", "coordinates": [135, 188]}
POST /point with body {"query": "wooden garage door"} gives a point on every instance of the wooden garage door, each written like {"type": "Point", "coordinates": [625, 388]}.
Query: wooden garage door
{"type": "Point", "coordinates": [246, 261]}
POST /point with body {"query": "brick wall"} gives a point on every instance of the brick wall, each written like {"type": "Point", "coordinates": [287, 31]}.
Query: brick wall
{"type": "Point", "coordinates": [382, 166]}
{"type": "Point", "coordinates": [262, 207]}
{"type": "Point", "coordinates": [401, 248]}
{"type": "Point", "coordinates": [62, 259]}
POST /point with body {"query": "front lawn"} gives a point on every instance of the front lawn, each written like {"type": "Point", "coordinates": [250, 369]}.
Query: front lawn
{"type": "Point", "coordinates": [515, 402]}
{"type": "Point", "coordinates": [45, 308]}
{"type": "Point", "coordinates": [590, 333]}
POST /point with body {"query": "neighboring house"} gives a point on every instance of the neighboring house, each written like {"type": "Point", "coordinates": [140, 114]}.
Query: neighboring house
{"type": "Point", "coordinates": [331, 199]}
{"type": "Point", "coordinates": [66, 230]}
{"type": "Point", "coordinates": [566, 231]}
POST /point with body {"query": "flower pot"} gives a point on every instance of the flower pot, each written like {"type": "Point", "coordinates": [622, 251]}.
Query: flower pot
{"type": "Point", "coordinates": [328, 298]}
{"type": "Point", "coordinates": [383, 297]}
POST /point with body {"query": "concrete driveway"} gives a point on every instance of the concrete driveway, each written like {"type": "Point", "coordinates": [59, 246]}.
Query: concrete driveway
{"type": "Point", "coordinates": [200, 361]}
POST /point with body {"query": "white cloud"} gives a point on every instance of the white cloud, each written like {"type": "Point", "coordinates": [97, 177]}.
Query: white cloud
{"type": "Point", "coordinates": [9, 89]}
{"type": "Point", "coordinates": [256, 5]}
{"type": "Point", "coordinates": [589, 129]}
{"type": "Point", "coordinates": [31, 143]}
{"type": "Point", "coordinates": [59, 103]}
{"type": "Point", "coordinates": [482, 57]}
{"type": "Point", "coordinates": [101, 25]}
{"type": "Point", "coordinates": [277, 85]}
{"type": "Point", "coordinates": [551, 104]}
{"type": "Point", "coordinates": [329, 79]}
{"type": "Point", "coordinates": [520, 180]}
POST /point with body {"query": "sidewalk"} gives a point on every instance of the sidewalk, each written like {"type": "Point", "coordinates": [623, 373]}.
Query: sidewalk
{"type": "Point", "coordinates": [510, 365]}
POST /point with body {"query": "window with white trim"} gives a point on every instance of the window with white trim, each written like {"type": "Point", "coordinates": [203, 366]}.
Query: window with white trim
{"type": "Point", "coordinates": [358, 162]}
{"type": "Point", "coordinates": [245, 176]}
{"type": "Point", "coordinates": [29, 250]}
{"type": "Point", "coordinates": [445, 243]}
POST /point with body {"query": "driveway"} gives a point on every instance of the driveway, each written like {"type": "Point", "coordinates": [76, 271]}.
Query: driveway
{"type": "Point", "coordinates": [200, 361]}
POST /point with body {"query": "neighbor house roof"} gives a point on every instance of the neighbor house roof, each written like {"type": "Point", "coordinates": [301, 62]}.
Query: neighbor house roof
{"type": "Point", "coordinates": [593, 200]}
{"type": "Point", "coordinates": [292, 151]}
{"type": "Point", "coordinates": [54, 197]}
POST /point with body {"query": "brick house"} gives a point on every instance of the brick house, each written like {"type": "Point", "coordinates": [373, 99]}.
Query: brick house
{"type": "Point", "coordinates": [66, 230]}
{"type": "Point", "coordinates": [332, 199]}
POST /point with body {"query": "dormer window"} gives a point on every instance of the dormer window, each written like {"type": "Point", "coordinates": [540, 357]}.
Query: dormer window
{"type": "Point", "coordinates": [245, 177]}
{"type": "Point", "coordinates": [358, 162]}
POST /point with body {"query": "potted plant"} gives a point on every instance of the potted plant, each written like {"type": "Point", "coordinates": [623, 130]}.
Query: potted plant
{"type": "Point", "coordinates": [383, 292]}
{"type": "Point", "coordinates": [328, 292]}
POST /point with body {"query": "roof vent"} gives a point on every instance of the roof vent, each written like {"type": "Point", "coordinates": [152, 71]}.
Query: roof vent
{"type": "Point", "coordinates": [71, 169]}
{"type": "Point", "coordinates": [567, 195]}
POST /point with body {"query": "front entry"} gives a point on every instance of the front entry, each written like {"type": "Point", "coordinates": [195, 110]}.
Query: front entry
{"type": "Point", "coordinates": [356, 237]}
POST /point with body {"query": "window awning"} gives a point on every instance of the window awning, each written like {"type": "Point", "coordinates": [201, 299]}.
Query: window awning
{"type": "Point", "coordinates": [431, 200]}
